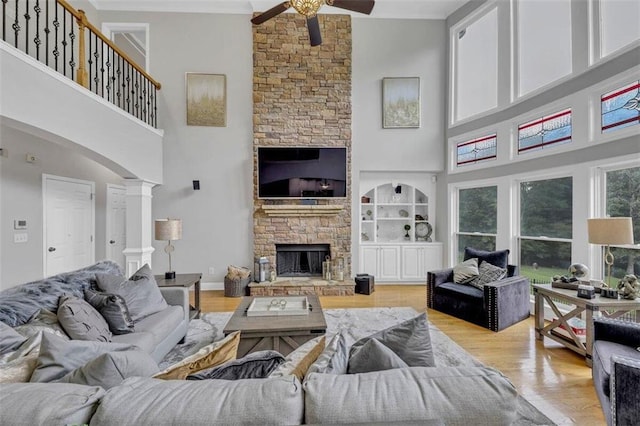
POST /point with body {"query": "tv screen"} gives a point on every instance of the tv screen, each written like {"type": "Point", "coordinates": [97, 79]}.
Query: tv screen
{"type": "Point", "coordinates": [302, 172]}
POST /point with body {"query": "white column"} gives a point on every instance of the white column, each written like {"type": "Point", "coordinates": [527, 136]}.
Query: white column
{"type": "Point", "coordinates": [139, 225]}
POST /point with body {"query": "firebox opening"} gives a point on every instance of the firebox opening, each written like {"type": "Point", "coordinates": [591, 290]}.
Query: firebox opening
{"type": "Point", "coordinates": [300, 260]}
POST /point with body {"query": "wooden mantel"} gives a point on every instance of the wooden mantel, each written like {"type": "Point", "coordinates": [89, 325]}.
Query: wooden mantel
{"type": "Point", "coordinates": [296, 210]}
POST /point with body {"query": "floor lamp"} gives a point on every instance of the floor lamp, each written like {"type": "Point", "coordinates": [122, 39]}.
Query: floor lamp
{"type": "Point", "coordinates": [168, 230]}
{"type": "Point", "coordinates": [607, 231]}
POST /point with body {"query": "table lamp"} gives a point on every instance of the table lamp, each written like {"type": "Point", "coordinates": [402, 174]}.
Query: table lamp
{"type": "Point", "coordinates": [607, 231]}
{"type": "Point", "coordinates": [168, 230]}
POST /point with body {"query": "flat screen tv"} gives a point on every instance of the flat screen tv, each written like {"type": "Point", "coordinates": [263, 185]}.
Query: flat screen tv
{"type": "Point", "coordinates": [302, 172]}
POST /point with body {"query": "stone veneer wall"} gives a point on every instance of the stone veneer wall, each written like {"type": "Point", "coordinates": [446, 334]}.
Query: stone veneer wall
{"type": "Point", "coordinates": [302, 97]}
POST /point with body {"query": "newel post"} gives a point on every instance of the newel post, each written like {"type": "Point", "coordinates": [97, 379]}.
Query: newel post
{"type": "Point", "coordinates": [82, 56]}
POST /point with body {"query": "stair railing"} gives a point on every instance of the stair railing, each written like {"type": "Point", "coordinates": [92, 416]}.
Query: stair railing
{"type": "Point", "coordinates": [62, 38]}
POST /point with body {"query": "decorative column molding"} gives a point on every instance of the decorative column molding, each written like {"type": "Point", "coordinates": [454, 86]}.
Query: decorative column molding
{"type": "Point", "coordinates": [139, 224]}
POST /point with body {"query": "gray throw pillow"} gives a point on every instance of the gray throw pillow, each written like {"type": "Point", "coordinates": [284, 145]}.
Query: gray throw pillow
{"type": "Point", "coordinates": [10, 340]}
{"type": "Point", "coordinates": [58, 356]}
{"type": "Point", "coordinates": [374, 356]}
{"type": "Point", "coordinates": [256, 365]}
{"type": "Point", "coordinates": [81, 321]}
{"type": "Point", "coordinates": [114, 310]}
{"type": "Point", "coordinates": [112, 368]}
{"type": "Point", "coordinates": [410, 340]}
{"type": "Point", "coordinates": [335, 357]}
{"type": "Point", "coordinates": [465, 271]}
{"type": "Point", "coordinates": [140, 292]}
{"type": "Point", "coordinates": [487, 273]}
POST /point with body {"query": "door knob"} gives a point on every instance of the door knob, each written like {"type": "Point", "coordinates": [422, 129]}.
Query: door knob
{"type": "Point", "coordinates": [52, 249]}
{"type": "Point", "coordinates": [112, 241]}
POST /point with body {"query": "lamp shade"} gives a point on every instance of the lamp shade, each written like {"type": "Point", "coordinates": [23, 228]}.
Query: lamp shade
{"type": "Point", "coordinates": [610, 230]}
{"type": "Point", "coordinates": [168, 229]}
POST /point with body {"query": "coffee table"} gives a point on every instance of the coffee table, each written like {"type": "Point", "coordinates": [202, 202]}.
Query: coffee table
{"type": "Point", "coordinates": [279, 333]}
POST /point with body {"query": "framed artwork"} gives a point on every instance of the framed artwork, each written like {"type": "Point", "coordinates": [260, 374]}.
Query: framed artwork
{"type": "Point", "coordinates": [400, 102]}
{"type": "Point", "coordinates": [206, 99]}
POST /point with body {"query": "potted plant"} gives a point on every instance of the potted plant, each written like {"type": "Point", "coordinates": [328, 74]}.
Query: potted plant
{"type": "Point", "coordinates": [407, 227]}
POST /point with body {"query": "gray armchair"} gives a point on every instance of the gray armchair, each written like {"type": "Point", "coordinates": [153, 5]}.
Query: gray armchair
{"type": "Point", "coordinates": [616, 369]}
{"type": "Point", "coordinates": [499, 305]}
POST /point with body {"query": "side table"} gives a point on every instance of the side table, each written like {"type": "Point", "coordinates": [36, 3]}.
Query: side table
{"type": "Point", "coordinates": [184, 280]}
{"type": "Point", "coordinates": [611, 308]}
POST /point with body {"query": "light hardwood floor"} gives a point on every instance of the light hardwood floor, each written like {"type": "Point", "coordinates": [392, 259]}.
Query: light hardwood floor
{"type": "Point", "coordinates": [554, 379]}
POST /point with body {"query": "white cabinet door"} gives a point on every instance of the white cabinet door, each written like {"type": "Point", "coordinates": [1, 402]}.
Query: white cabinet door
{"type": "Point", "coordinates": [389, 265]}
{"type": "Point", "coordinates": [432, 258]}
{"type": "Point", "coordinates": [418, 260]}
{"type": "Point", "coordinates": [369, 260]}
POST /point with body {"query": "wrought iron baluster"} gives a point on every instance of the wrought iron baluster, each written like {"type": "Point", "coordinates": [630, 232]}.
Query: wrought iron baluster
{"type": "Point", "coordinates": [90, 61]}
{"type": "Point", "coordinates": [16, 27]}
{"type": "Point", "coordinates": [64, 42]}
{"type": "Point", "coordinates": [108, 86]}
{"type": "Point", "coordinates": [27, 18]}
{"type": "Point", "coordinates": [72, 37]}
{"type": "Point", "coordinates": [128, 79]}
{"type": "Point", "coordinates": [136, 93]}
{"type": "Point", "coordinates": [155, 107]}
{"type": "Point", "coordinates": [96, 56]}
{"type": "Point", "coordinates": [4, 20]}
{"type": "Point", "coordinates": [37, 40]}
{"type": "Point", "coordinates": [56, 26]}
{"type": "Point", "coordinates": [119, 79]}
{"type": "Point", "coordinates": [101, 67]}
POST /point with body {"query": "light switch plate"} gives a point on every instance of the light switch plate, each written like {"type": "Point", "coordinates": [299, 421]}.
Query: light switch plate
{"type": "Point", "coordinates": [20, 237]}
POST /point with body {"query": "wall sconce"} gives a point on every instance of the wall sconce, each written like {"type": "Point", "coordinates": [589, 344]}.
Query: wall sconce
{"type": "Point", "coordinates": [168, 230]}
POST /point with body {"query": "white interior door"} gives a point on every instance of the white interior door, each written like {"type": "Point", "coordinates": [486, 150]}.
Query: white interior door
{"type": "Point", "coordinates": [69, 222]}
{"type": "Point", "coordinates": [116, 223]}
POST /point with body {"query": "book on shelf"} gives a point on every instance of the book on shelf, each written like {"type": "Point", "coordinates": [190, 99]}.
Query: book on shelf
{"type": "Point", "coordinates": [578, 326]}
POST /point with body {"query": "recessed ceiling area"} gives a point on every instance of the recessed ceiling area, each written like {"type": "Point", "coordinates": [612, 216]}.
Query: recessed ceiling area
{"type": "Point", "coordinates": [388, 9]}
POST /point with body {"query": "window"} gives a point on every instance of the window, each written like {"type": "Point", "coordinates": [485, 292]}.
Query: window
{"type": "Point", "coordinates": [623, 199]}
{"type": "Point", "coordinates": [546, 217]}
{"type": "Point", "coordinates": [477, 218]}
{"type": "Point", "coordinates": [476, 150]}
{"type": "Point", "coordinates": [618, 24]}
{"type": "Point", "coordinates": [476, 66]}
{"type": "Point", "coordinates": [621, 107]}
{"type": "Point", "coordinates": [550, 130]}
{"type": "Point", "coordinates": [544, 43]}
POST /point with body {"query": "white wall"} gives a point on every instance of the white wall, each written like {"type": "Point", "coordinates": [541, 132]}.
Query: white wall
{"type": "Point", "coordinates": [21, 198]}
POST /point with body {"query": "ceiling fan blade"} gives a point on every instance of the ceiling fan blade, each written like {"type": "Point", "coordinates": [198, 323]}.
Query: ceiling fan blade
{"type": "Point", "coordinates": [271, 13]}
{"type": "Point", "coordinates": [362, 6]}
{"type": "Point", "coordinates": [314, 31]}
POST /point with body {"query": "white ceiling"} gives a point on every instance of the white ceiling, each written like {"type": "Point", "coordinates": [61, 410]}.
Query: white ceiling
{"type": "Point", "coordinates": [408, 9]}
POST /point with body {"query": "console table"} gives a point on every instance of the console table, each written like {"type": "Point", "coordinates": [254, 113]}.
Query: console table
{"type": "Point", "coordinates": [185, 280]}
{"type": "Point", "coordinates": [611, 308]}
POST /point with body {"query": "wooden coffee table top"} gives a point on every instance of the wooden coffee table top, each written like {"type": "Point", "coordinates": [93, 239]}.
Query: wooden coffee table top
{"type": "Point", "coordinates": [240, 321]}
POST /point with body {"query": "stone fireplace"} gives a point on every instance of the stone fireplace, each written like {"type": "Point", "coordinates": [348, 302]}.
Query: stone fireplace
{"type": "Point", "coordinates": [302, 97]}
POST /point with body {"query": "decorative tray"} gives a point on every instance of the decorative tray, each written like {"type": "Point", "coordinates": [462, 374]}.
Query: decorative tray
{"type": "Point", "coordinates": [278, 306]}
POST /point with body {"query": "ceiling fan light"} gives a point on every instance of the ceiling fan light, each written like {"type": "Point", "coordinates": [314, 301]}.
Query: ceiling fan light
{"type": "Point", "coordinates": [307, 8]}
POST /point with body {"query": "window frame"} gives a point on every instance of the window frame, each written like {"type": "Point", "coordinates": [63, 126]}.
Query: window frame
{"type": "Point", "coordinates": [544, 145]}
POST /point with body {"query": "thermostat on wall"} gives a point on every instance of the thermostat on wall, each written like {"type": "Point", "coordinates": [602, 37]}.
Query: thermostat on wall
{"type": "Point", "coordinates": [19, 224]}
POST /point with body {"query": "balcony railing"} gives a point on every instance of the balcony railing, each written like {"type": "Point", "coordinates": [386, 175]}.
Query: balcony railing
{"type": "Point", "coordinates": [61, 37]}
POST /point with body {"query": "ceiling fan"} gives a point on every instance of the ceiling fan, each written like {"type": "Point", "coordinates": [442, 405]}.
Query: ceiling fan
{"type": "Point", "coordinates": [309, 8]}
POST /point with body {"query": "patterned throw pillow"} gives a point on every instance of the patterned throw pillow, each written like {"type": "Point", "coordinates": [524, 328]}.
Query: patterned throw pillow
{"type": "Point", "coordinates": [465, 271]}
{"type": "Point", "coordinates": [114, 310]}
{"type": "Point", "coordinates": [298, 362]}
{"type": "Point", "coordinates": [487, 273]}
{"type": "Point", "coordinates": [81, 321]}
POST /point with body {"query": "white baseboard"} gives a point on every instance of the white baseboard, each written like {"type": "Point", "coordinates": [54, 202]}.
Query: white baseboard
{"type": "Point", "coordinates": [211, 286]}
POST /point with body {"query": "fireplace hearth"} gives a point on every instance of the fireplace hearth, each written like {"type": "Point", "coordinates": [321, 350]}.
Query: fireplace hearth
{"type": "Point", "coordinates": [301, 260]}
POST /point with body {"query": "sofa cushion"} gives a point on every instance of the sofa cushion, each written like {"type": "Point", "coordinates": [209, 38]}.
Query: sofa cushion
{"type": "Point", "coordinates": [140, 292]}
{"type": "Point", "coordinates": [465, 271]}
{"type": "Point", "coordinates": [112, 368]}
{"type": "Point", "coordinates": [256, 365]}
{"type": "Point", "coordinates": [161, 323]}
{"type": "Point", "coordinates": [48, 403]}
{"type": "Point", "coordinates": [209, 356]}
{"type": "Point", "coordinates": [410, 340]}
{"type": "Point", "coordinates": [487, 273]}
{"type": "Point", "coordinates": [456, 395]}
{"type": "Point", "coordinates": [58, 356]}
{"type": "Point", "coordinates": [203, 402]}
{"type": "Point", "coordinates": [42, 321]}
{"type": "Point", "coordinates": [334, 358]}
{"type": "Point", "coordinates": [499, 258]}
{"type": "Point", "coordinates": [81, 321]}
{"type": "Point", "coordinates": [462, 291]}
{"type": "Point", "coordinates": [298, 362]}
{"type": "Point", "coordinates": [141, 339]}
{"type": "Point", "coordinates": [374, 356]}
{"type": "Point", "coordinates": [605, 350]}
{"type": "Point", "coordinates": [114, 310]}
{"type": "Point", "coordinates": [10, 339]}
{"type": "Point", "coordinates": [18, 370]}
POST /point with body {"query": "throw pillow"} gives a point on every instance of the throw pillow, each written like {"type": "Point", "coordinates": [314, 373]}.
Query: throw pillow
{"type": "Point", "coordinates": [10, 340]}
{"type": "Point", "coordinates": [18, 370]}
{"type": "Point", "coordinates": [112, 368]}
{"type": "Point", "coordinates": [59, 356]}
{"type": "Point", "coordinates": [487, 273]}
{"type": "Point", "coordinates": [256, 365]}
{"type": "Point", "coordinates": [42, 320]}
{"type": "Point", "coordinates": [465, 271]}
{"type": "Point", "coordinates": [374, 356]}
{"type": "Point", "coordinates": [114, 310]}
{"type": "Point", "coordinates": [334, 358]}
{"type": "Point", "coordinates": [499, 258]}
{"type": "Point", "coordinates": [298, 362]}
{"type": "Point", "coordinates": [81, 321]}
{"type": "Point", "coordinates": [410, 340]}
{"type": "Point", "coordinates": [140, 292]}
{"type": "Point", "coordinates": [209, 356]}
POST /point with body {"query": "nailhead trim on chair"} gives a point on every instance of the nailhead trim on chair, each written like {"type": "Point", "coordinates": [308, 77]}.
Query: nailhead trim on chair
{"type": "Point", "coordinates": [493, 313]}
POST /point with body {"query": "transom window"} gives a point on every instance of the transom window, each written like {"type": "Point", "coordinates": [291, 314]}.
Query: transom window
{"type": "Point", "coordinates": [621, 107]}
{"type": "Point", "coordinates": [476, 150]}
{"type": "Point", "coordinates": [540, 133]}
